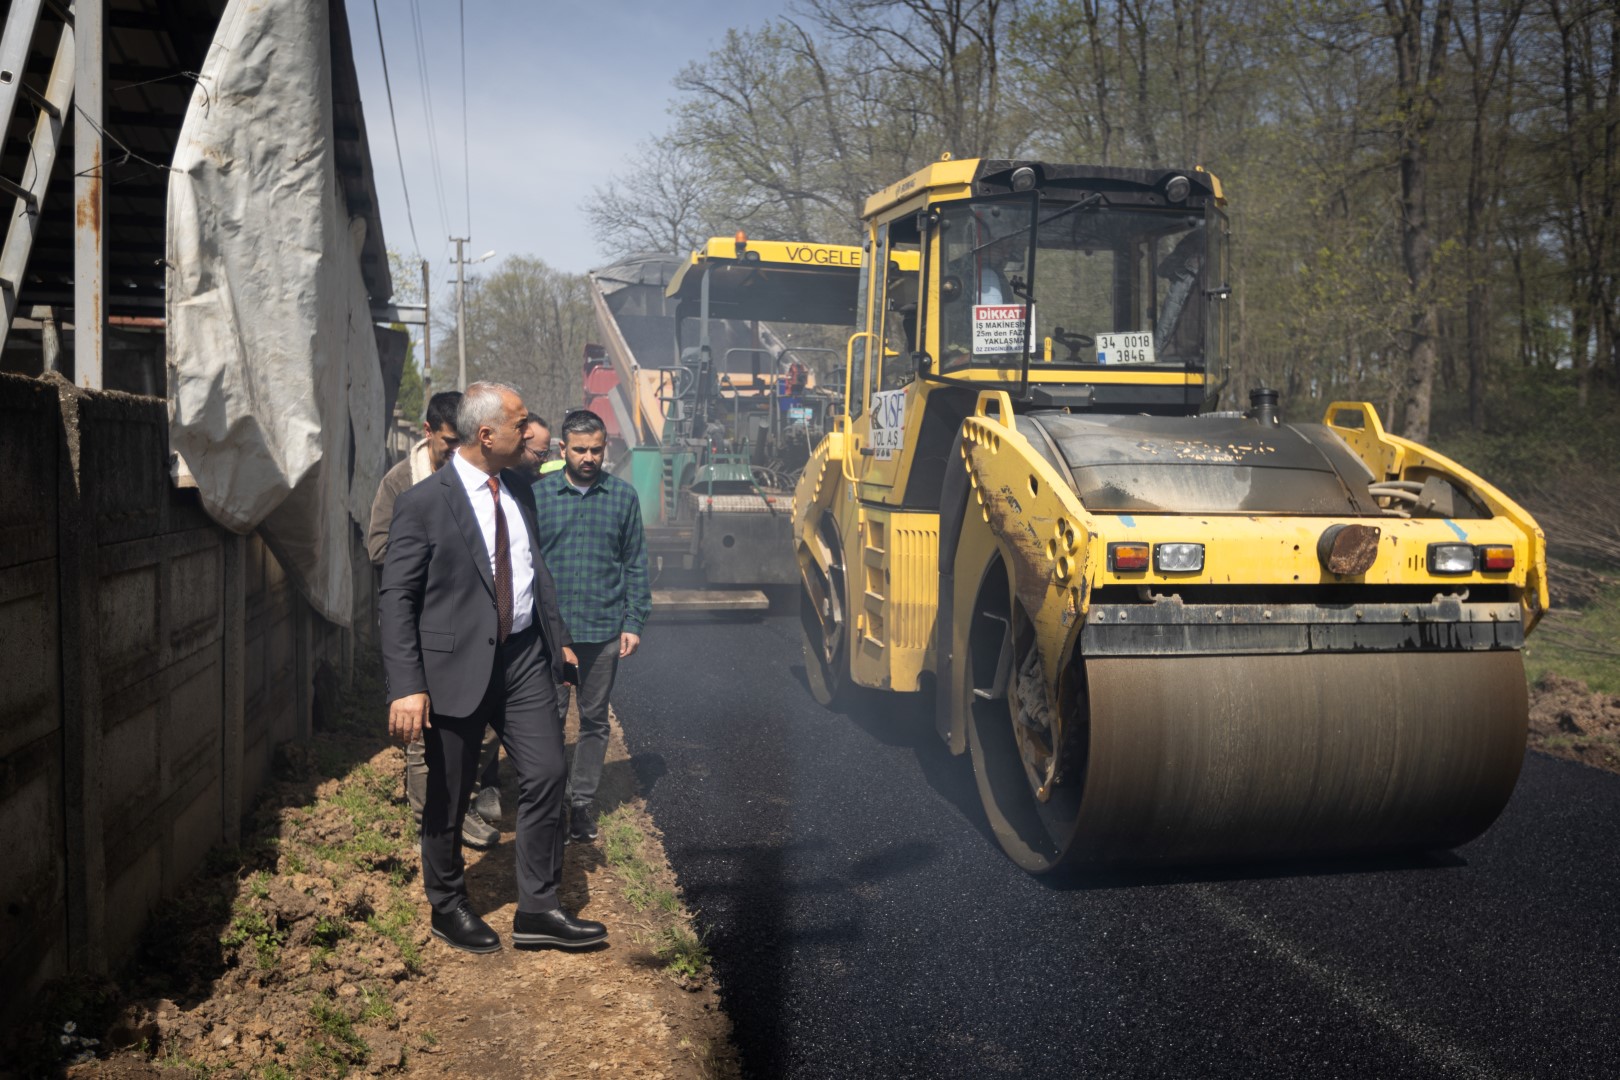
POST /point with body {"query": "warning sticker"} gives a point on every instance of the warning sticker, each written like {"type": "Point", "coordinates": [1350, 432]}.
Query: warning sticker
{"type": "Point", "coordinates": [999, 328]}
{"type": "Point", "coordinates": [1125, 348]}
{"type": "Point", "coordinates": [888, 423]}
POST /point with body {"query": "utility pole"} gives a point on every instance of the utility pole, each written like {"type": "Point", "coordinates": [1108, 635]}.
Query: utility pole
{"type": "Point", "coordinates": [461, 304]}
{"type": "Point", "coordinates": [427, 339]}
{"type": "Point", "coordinates": [461, 312]}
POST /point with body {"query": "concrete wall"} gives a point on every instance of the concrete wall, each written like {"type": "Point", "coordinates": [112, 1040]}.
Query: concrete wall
{"type": "Point", "coordinates": [152, 662]}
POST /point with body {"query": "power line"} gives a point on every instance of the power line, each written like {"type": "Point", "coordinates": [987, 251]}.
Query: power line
{"type": "Point", "coordinates": [399, 155]}
{"type": "Point", "coordinates": [426, 86]}
{"type": "Point", "coordinates": [466, 170]}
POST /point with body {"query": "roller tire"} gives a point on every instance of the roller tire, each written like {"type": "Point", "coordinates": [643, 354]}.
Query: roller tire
{"type": "Point", "coordinates": [1036, 835]}
{"type": "Point", "coordinates": [829, 682]}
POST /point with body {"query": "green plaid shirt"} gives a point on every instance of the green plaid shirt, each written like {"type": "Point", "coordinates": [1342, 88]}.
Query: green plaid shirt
{"type": "Point", "coordinates": [596, 552]}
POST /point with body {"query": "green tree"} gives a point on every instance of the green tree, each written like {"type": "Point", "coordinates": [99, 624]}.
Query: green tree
{"type": "Point", "coordinates": [1423, 192]}
{"type": "Point", "coordinates": [527, 326]}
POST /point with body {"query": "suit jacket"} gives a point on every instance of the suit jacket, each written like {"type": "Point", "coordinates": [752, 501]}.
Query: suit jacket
{"type": "Point", "coordinates": [438, 595]}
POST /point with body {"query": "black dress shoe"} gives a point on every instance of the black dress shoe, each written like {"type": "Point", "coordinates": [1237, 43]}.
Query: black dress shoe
{"type": "Point", "coordinates": [465, 930]}
{"type": "Point", "coordinates": [556, 928]}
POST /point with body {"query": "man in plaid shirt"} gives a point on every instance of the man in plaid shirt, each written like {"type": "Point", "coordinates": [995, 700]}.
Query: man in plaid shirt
{"type": "Point", "coordinates": [592, 541]}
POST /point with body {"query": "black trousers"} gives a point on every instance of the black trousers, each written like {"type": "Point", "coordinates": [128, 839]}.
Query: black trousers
{"type": "Point", "coordinates": [521, 706]}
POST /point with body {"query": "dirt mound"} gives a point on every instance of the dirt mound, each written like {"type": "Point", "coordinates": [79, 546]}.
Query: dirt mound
{"type": "Point", "coordinates": [1568, 720]}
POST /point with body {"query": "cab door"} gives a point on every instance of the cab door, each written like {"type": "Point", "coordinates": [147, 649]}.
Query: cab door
{"type": "Point", "coordinates": [890, 401]}
{"type": "Point", "coordinates": [892, 552]}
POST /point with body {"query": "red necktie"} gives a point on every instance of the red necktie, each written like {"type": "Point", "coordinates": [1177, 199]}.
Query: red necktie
{"type": "Point", "coordinates": [503, 565]}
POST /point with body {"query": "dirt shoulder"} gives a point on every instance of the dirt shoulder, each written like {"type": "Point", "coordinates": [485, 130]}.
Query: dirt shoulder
{"type": "Point", "coordinates": [306, 952]}
{"type": "Point", "coordinates": [1568, 720]}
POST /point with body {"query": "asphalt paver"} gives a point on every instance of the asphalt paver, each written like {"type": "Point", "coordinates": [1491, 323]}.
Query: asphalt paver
{"type": "Point", "coordinates": [864, 923]}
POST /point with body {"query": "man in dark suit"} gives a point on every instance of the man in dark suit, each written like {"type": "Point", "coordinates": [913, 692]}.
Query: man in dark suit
{"type": "Point", "coordinates": [471, 635]}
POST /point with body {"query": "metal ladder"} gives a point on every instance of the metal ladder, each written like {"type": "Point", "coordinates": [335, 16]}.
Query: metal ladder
{"type": "Point", "coordinates": [52, 103]}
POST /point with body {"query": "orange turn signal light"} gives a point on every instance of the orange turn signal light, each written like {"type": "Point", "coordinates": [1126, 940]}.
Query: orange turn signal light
{"type": "Point", "coordinates": [1495, 558]}
{"type": "Point", "coordinates": [1127, 556]}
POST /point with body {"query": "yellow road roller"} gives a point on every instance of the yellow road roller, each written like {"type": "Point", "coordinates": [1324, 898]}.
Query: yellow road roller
{"type": "Point", "coordinates": [1167, 634]}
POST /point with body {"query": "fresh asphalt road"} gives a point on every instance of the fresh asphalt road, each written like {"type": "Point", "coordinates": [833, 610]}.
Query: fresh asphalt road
{"type": "Point", "coordinates": [864, 923]}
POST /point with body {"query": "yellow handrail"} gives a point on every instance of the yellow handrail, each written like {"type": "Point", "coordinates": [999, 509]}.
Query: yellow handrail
{"type": "Point", "coordinates": [851, 447]}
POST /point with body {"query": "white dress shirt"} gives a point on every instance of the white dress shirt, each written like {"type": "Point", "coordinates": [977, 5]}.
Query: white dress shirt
{"type": "Point", "coordinates": [993, 287]}
{"type": "Point", "coordinates": [517, 537]}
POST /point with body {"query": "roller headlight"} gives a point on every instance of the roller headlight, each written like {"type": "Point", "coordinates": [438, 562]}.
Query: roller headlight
{"type": "Point", "coordinates": [1452, 559]}
{"type": "Point", "coordinates": [1178, 558]}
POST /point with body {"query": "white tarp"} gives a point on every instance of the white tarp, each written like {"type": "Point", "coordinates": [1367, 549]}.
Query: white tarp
{"type": "Point", "coordinates": [276, 394]}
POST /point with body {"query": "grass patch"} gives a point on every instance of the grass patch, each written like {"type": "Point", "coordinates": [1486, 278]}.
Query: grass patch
{"type": "Point", "coordinates": [275, 1071]}
{"type": "Point", "coordinates": [330, 931]}
{"type": "Point", "coordinates": [337, 1046]}
{"type": "Point", "coordinates": [380, 833]}
{"type": "Point", "coordinates": [682, 951]}
{"type": "Point", "coordinates": [252, 930]}
{"type": "Point", "coordinates": [1581, 644]}
{"type": "Point", "coordinates": [622, 841]}
{"type": "Point", "coordinates": [623, 845]}
{"type": "Point", "coordinates": [176, 1060]}
{"type": "Point", "coordinates": [375, 1004]}
{"type": "Point", "coordinates": [396, 925]}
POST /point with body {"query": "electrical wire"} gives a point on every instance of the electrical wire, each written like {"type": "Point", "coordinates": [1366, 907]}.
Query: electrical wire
{"type": "Point", "coordinates": [399, 155]}
{"type": "Point", "coordinates": [425, 84]}
{"type": "Point", "coordinates": [466, 169]}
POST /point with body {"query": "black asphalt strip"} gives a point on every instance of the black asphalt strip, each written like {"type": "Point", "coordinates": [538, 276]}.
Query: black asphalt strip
{"type": "Point", "coordinates": [864, 923]}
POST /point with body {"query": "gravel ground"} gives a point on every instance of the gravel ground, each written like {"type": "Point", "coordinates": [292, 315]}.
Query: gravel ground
{"type": "Point", "coordinates": [864, 923]}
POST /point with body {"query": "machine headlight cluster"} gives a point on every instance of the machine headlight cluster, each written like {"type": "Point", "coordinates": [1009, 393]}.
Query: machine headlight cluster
{"type": "Point", "coordinates": [1466, 558]}
{"type": "Point", "coordinates": [1178, 558]}
{"type": "Point", "coordinates": [1165, 558]}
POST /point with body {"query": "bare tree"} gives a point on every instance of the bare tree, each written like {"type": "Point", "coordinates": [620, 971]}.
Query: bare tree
{"type": "Point", "coordinates": [1483, 38]}
{"type": "Point", "coordinates": [1420, 47]}
{"type": "Point", "coordinates": [949, 50]}
{"type": "Point", "coordinates": [656, 203]}
{"type": "Point", "coordinates": [1589, 108]}
{"type": "Point", "coordinates": [1064, 71]}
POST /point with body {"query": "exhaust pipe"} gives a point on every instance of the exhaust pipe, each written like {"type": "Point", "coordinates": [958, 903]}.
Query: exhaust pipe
{"type": "Point", "coordinates": [1263, 407]}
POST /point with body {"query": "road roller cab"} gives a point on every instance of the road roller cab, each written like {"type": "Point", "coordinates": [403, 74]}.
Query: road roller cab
{"type": "Point", "coordinates": [1165, 633]}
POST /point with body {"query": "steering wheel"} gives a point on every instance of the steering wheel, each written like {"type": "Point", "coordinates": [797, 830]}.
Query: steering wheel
{"type": "Point", "coordinates": [1073, 342]}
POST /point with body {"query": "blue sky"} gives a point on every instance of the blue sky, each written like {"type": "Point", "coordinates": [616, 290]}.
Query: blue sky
{"type": "Point", "coordinates": [557, 96]}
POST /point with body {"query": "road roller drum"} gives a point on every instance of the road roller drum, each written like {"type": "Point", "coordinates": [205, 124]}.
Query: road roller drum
{"type": "Point", "coordinates": [1203, 758]}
